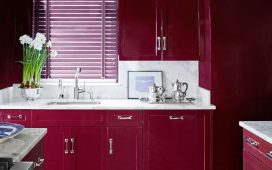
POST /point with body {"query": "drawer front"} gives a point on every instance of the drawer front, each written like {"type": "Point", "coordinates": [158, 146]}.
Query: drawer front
{"type": "Point", "coordinates": [51, 118]}
{"type": "Point", "coordinates": [22, 117]}
{"type": "Point", "coordinates": [253, 141]}
{"type": "Point", "coordinates": [125, 118]}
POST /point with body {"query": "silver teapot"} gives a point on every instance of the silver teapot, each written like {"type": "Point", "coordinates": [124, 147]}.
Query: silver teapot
{"type": "Point", "coordinates": [179, 91]}
{"type": "Point", "coordinates": [155, 93]}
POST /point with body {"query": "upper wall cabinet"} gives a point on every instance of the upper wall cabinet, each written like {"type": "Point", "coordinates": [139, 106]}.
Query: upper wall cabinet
{"type": "Point", "coordinates": [138, 30]}
{"type": "Point", "coordinates": [161, 29]}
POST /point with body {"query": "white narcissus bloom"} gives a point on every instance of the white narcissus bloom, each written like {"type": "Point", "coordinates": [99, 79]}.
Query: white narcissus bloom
{"type": "Point", "coordinates": [53, 53]}
{"type": "Point", "coordinates": [40, 37]}
{"type": "Point", "coordinates": [36, 44]}
{"type": "Point", "coordinates": [49, 44]}
{"type": "Point", "coordinates": [25, 39]}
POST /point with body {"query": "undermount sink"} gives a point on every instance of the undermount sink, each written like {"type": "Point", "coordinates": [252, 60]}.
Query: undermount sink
{"type": "Point", "coordinates": [73, 103]}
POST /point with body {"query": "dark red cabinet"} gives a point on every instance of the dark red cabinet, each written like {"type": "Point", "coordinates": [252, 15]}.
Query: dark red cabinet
{"type": "Point", "coordinates": [89, 148]}
{"type": "Point", "coordinates": [181, 24]}
{"type": "Point", "coordinates": [138, 30]}
{"type": "Point", "coordinates": [125, 148]}
{"type": "Point", "coordinates": [161, 29]}
{"type": "Point", "coordinates": [256, 152]}
{"type": "Point", "coordinates": [91, 139]}
{"type": "Point", "coordinates": [173, 140]}
{"type": "Point", "coordinates": [22, 117]}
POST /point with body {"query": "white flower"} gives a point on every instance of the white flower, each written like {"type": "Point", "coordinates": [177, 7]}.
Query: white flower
{"type": "Point", "coordinates": [53, 53]}
{"type": "Point", "coordinates": [36, 44]}
{"type": "Point", "coordinates": [40, 37]}
{"type": "Point", "coordinates": [25, 39]}
{"type": "Point", "coordinates": [49, 44]}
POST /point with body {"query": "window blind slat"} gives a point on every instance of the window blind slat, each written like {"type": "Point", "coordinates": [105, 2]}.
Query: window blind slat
{"type": "Point", "coordinates": [80, 31]}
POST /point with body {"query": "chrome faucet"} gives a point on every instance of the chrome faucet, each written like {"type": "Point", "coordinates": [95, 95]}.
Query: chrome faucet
{"type": "Point", "coordinates": [77, 90]}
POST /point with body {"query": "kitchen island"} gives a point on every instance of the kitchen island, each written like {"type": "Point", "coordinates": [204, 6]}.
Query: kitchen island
{"type": "Point", "coordinates": [19, 146]}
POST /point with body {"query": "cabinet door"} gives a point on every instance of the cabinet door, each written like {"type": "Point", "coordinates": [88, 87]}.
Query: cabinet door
{"type": "Point", "coordinates": [173, 140]}
{"type": "Point", "coordinates": [138, 30]}
{"type": "Point", "coordinates": [125, 148]}
{"type": "Point", "coordinates": [182, 29]}
{"type": "Point", "coordinates": [56, 142]}
{"type": "Point", "coordinates": [90, 148]}
{"type": "Point", "coordinates": [251, 162]}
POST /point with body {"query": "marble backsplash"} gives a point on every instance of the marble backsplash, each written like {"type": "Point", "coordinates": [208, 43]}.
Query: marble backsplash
{"type": "Point", "coordinates": [185, 71]}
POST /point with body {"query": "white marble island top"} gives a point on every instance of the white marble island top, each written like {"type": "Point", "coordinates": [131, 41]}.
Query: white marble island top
{"type": "Point", "coordinates": [262, 129]}
{"type": "Point", "coordinates": [105, 104]}
{"type": "Point", "coordinates": [19, 146]}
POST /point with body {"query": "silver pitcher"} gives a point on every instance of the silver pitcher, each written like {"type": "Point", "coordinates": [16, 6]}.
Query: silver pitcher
{"type": "Point", "coordinates": [155, 93]}
{"type": "Point", "coordinates": [179, 91]}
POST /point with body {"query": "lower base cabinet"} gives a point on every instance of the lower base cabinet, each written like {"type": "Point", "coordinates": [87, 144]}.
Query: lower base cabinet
{"type": "Point", "coordinates": [174, 140]}
{"type": "Point", "coordinates": [125, 148]}
{"type": "Point", "coordinates": [126, 139]}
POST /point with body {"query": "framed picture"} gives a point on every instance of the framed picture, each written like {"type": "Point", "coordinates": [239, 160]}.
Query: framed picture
{"type": "Point", "coordinates": [139, 81]}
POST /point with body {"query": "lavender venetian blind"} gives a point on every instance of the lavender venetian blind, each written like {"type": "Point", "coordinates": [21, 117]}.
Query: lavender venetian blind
{"type": "Point", "coordinates": [83, 32]}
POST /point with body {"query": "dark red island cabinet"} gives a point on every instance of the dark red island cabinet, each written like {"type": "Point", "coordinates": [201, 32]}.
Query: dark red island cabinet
{"type": "Point", "coordinates": [161, 29]}
{"type": "Point", "coordinates": [177, 140]}
{"type": "Point", "coordinates": [257, 153]}
{"type": "Point", "coordinates": [91, 139]}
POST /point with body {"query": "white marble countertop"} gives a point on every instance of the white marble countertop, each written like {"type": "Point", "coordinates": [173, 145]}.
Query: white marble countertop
{"type": "Point", "coordinates": [19, 146]}
{"type": "Point", "coordinates": [105, 104]}
{"type": "Point", "coordinates": [262, 129]}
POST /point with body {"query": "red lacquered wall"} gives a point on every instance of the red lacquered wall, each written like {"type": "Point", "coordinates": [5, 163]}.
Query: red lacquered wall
{"type": "Point", "coordinates": [241, 73]}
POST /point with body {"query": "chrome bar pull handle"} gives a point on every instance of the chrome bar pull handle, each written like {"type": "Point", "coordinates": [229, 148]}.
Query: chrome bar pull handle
{"type": "Point", "coordinates": [125, 117]}
{"type": "Point", "coordinates": [66, 151]}
{"type": "Point", "coordinates": [158, 43]}
{"type": "Point", "coordinates": [176, 117]}
{"type": "Point", "coordinates": [164, 44]}
{"type": "Point", "coordinates": [10, 117]}
{"type": "Point", "coordinates": [39, 162]}
{"type": "Point", "coordinates": [110, 146]}
{"type": "Point", "coordinates": [269, 154]}
{"type": "Point", "coordinates": [252, 142]}
{"type": "Point", "coordinates": [72, 151]}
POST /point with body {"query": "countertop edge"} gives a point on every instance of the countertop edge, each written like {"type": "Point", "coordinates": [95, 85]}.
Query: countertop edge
{"type": "Point", "coordinates": [255, 132]}
{"type": "Point", "coordinates": [32, 145]}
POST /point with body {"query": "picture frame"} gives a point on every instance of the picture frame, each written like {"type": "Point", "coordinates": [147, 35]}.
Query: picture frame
{"type": "Point", "coordinates": [139, 81]}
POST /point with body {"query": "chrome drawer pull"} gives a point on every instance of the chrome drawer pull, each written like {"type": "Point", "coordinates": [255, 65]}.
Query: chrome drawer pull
{"type": "Point", "coordinates": [269, 154]}
{"type": "Point", "coordinates": [176, 117]}
{"type": "Point", "coordinates": [110, 147]}
{"type": "Point", "coordinates": [252, 142]}
{"type": "Point", "coordinates": [164, 43]}
{"type": "Point", "coordinates": [39, 162]}
{"type": "Point", "coordinates": [73, 147]}
{"type": "Point", "coordinates": [66, 151]}
{"type": "Point", "coordinates": [125, 117]}
{"type": "Point", "coordinates": [158, 43]}
{"type": "Point", "coordinates": [15, 117]}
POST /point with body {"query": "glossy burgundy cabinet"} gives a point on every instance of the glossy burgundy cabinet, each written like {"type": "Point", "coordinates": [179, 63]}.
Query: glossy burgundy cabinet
{"type": "Point", "coordinates": [22, 117]}
{"type": "Point", "coordinates": [256, 152]}
{"type": "Point", "coordinates": [161, 29]}
{"type": "Point", "coordinates": [91, 139]}
{"type": "Point", "coordinates": [175, 140]}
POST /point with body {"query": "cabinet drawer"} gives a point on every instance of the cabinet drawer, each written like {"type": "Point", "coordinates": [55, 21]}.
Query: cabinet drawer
{"type": "Point", "coordinates": [257, 147]}
{"type": "Point", "coordinates": [22, 117]}
{"type": "Point", "coordinates": [251, 140]}
{"type": "Point", "coordinates": [47, 118]}
{"type": "Point", "coordinates": [125, 118]}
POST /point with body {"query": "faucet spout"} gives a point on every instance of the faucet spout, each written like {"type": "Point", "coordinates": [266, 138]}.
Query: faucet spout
{"type": "Point", "coordinates": [77, 90]}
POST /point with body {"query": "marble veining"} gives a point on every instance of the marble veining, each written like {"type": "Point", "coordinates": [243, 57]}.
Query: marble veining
{"type": "Point", "coordinates": [19, 146]}
{"type": "Point", "coordinates": [262, 129]}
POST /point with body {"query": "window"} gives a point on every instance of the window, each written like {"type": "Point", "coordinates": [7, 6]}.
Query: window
{"type": "Point", "coordinates": [83, 32]}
